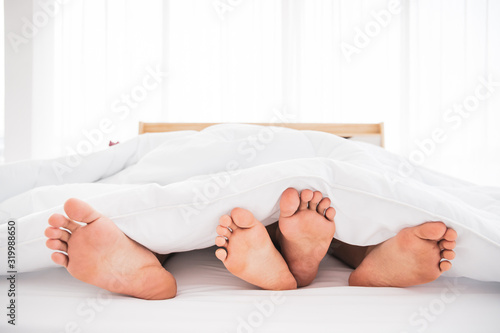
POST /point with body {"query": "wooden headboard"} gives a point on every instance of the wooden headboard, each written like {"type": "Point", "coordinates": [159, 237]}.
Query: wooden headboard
{"type": "Point", "coordinates": [343, 130]}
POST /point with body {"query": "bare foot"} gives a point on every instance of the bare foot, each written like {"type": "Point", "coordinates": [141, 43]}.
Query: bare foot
{"type": "Point", "coordinates": [306, 229]}
{"type": "Point", "coordinates": [414, 256]}
{"type": "Point", "coordinates": [249, 252]}
{"type": "Point", "coordinates": [101, 254]}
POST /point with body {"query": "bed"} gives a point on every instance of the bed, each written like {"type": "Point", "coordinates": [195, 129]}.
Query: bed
{"type": "Point", "coordinates": [212, 300]}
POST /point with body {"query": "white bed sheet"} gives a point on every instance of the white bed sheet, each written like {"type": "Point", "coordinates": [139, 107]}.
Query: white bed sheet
{"type": "Point", "coordinates": [210, 299]}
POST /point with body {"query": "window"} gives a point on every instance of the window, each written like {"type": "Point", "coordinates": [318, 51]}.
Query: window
{"type": "Point", "coordinates": [312, 61]}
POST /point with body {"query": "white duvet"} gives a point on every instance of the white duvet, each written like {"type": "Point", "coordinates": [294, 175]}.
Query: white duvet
{"type": "Point", "coordinates": [167, 192]}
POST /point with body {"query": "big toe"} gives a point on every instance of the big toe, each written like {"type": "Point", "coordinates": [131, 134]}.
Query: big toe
{"type": "Point", "coordinates": [430, 230]}
{"type": "Point", "coordinates": [81, 211]}
{"type": "Point", "coordinates": [289, 202]}
{"type": "Point", "coordinates": [243, 218]}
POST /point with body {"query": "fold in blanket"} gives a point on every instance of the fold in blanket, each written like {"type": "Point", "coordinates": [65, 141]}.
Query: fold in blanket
{"type": "Point", "coordinates": [167, 192]}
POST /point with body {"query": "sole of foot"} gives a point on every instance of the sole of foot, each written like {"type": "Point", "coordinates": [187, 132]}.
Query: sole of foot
{"type": "Point", "coordinates": [306, 229]}
{"type": "Point", "coordinates": [248, 252]}
{"type": "Point", "coordinates": [416, 255]}
{"type": "Point", "coordinates": [99, 253]}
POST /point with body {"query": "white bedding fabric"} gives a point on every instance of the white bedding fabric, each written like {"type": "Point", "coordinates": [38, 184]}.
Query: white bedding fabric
{"type": "Point", "coordinates": [210, 299]}
{"type": "Point", "coordinates": [167, 191]}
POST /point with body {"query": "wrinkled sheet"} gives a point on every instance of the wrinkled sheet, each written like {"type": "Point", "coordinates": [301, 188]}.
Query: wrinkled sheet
{"type": "Point", "coordinates": [167, 192]}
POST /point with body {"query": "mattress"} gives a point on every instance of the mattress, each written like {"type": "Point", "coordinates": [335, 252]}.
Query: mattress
{"type": "Point", "coordinates": [210, 299]}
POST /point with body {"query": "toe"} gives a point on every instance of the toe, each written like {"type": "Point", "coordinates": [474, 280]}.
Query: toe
{"type": "Point", "coordinates": [444, 266]}
{"type": "Point", "coordinates": [430, 230]}
{"type": "Point", "coordinates": [243, 218]}
{"type": "Point", "coordinates": [80, 211]}
{"type": "Point", "coordinates": [313, 204]}
{"type": "Point", "coordinates": [289, 202]}
{"type": "Point", "coordinates": [450, 235]}
{"type": "Point", "coordinates": [221, 254]}
{"type": "Point", "coordinates": [447, 245]}
{"type": "Point", "coordinates": [323, 205]}
{"type": "Point", "coordinates": [220, 241]}
{"type": "Point", "coordinates": [448, 254]}
{"type": "Point", "coordinates": [57, 245]}
{"type": "Point", "coordinates": [305, 197]}
{"type": "Point", "coordinates": [330, 214]}
{"type": "Point", "coordinates": [223, 231]}
{"type": "Point", "coordinates": [227, 222]}
{"type": "Point", "coordinates": [60, 221]}
{"type": "Point", "coordinates": [60, 259]}
{"type": "Point", "coordinates": [56, 233]}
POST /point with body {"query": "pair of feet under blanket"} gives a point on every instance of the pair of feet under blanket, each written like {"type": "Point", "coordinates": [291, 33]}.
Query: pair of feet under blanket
{"type": "Point", "coordinates": [167, 192]}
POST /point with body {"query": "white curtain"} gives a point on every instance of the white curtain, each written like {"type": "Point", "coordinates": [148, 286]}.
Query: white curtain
{"type": "Point", "coordinates": [453, 46]}
{"type": "Point", "coordinates": [2, 82]}
{"type": "Point", "coordinates": [404, 64]}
